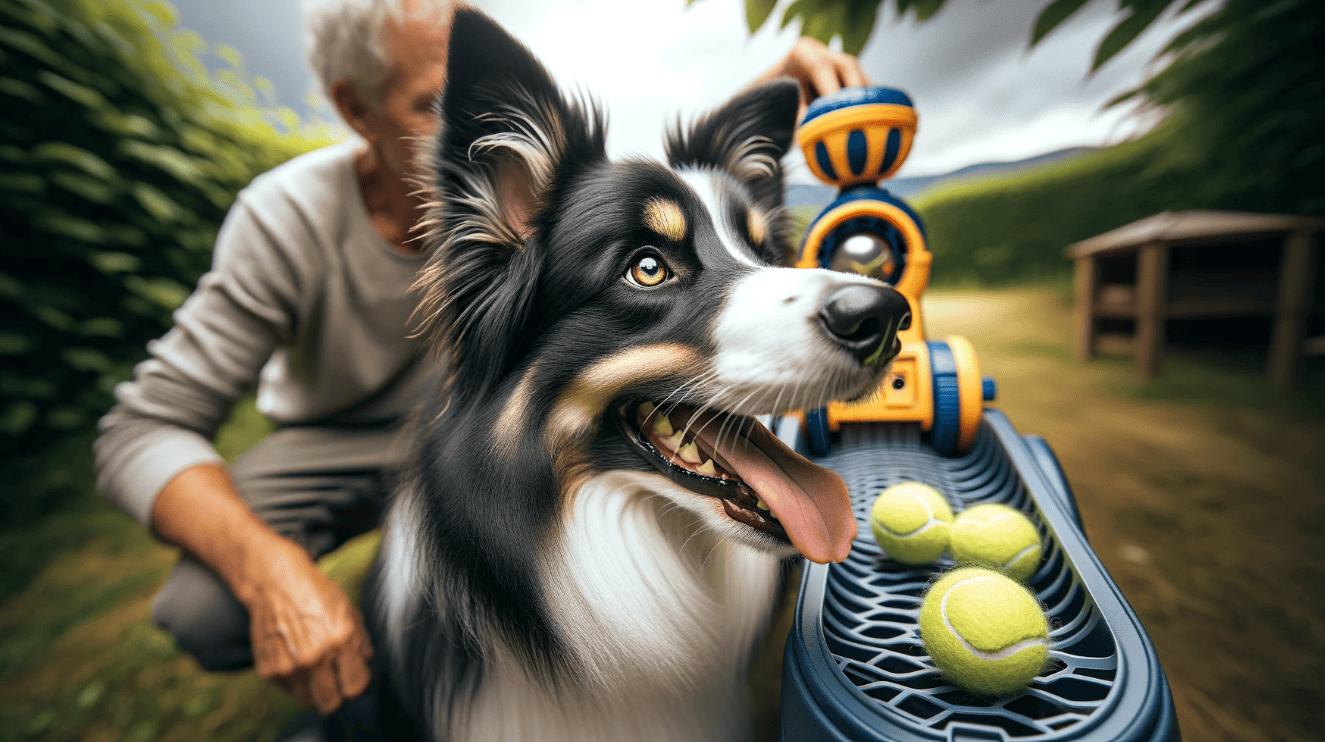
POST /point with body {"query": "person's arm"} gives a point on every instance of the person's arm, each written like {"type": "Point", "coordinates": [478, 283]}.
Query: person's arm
{"type": "Point", "coordinates": [307, 636]}
{"type": "Point", "coordinates": [819, 70]}
{"type": "Point", "coordinates": [155, 459]}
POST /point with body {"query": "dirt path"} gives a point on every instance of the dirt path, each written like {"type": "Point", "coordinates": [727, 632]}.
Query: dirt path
{"type": "Point", "coordinates": [1207, 511]}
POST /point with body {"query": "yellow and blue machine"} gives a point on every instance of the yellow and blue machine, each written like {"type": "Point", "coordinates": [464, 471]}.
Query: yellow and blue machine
{"type": "Point", "coordinates": [855, 667]}
{"type": "Point", "coordinates": [853, 140]}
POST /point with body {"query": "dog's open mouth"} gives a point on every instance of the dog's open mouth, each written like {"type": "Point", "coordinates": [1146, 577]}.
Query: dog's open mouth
{"type": "Point", "coordinates": [758, 479]}
{"type": "Point", "coordinates": [683, 447]}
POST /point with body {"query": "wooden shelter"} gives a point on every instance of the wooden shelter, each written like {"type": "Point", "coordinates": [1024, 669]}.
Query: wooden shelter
{"type": "Point", "coordinates": [1194, 264]}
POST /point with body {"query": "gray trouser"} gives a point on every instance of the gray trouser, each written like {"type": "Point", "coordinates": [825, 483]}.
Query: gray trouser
{"type": "Point", "coordinates": [318, 486]}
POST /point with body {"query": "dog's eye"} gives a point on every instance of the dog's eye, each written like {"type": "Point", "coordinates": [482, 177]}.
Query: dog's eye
{"type": "Point", "coordinates": [647, 271]}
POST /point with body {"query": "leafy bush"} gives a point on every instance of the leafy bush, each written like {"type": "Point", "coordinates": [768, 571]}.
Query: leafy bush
{"type": "Point", "coordinates": [119, 156]}
{"type": "Point", "coordinates": [1250, 83]}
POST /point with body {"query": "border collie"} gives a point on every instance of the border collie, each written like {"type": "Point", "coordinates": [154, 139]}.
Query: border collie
{"type": "Point", "coordinates": [589, 542]}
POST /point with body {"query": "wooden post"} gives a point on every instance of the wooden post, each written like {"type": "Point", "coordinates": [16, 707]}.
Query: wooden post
{"type": "Point", "coordinates": [1152, 283]}
{"type": "Point", "coordinates": [1296, 274]}
{"type": "Point", "coordinates": [1086, 279]}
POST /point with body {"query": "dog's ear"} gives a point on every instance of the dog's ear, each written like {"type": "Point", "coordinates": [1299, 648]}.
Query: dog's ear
{"type": "Point", "coordinates": [747, 137]}
{"type": "Point", "coordinates": [506, 129]}
{"type": "Point", "coordinates": [507, 138]}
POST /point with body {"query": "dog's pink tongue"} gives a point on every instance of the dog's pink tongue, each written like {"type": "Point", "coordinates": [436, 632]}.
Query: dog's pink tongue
{"type": "Point", "coordinates": [810, 501]}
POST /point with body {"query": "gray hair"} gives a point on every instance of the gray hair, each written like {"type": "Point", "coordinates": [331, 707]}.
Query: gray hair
{"type": "Point", "coordinates": [344, 40]}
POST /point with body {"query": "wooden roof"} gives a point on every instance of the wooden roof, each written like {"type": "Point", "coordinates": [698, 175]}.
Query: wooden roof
{"type": "Point", "coordinates": [1192, 226]}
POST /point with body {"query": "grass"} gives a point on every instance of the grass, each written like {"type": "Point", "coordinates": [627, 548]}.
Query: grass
{"type": "Point", "coordinates": [79, 656]}
{"type": "Point", "coordinates": [1203, 493]}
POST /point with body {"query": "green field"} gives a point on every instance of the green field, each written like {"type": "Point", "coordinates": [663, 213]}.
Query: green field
{"type": "Point", "coordinates": [1011, 227]}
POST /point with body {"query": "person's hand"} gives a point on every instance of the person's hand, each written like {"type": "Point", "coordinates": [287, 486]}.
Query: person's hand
{"type": "Point", "coordinates": [819, 70]}
{"type": "Point", "coordinates": [307, 635]}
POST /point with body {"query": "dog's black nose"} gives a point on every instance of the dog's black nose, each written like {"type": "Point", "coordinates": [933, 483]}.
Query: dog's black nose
{"type": "Point", "coordinates": [865, 319]}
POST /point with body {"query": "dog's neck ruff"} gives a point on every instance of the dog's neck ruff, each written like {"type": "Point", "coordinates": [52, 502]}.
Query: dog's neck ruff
{"type": "Point", "coordinates": [658, 611]}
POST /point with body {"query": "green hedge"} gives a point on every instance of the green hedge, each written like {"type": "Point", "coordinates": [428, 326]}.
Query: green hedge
{"type": "Point", "coordinates": [119, 156]}
{"type": "Point", "coordinates": [1013, 227]}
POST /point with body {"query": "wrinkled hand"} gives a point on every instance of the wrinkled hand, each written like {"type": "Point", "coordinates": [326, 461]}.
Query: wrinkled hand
{"type": "Point", "coordinates": [819, 70]}
{"type": "Point", "coordinates": [307, 635]}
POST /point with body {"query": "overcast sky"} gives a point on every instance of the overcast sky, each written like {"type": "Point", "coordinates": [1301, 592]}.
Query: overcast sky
{"type": "Point", "coordinates": [981, 96]}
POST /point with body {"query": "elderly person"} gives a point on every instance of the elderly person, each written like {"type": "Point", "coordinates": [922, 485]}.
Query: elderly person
{"type": "Point", "coordinates": [309, 301]}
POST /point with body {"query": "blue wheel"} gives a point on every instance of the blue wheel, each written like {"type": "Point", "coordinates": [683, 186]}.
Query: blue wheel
{"type": "Point", "coordinates": [947, 398]}
{"type": "Point", "coordinates": [816, 431]}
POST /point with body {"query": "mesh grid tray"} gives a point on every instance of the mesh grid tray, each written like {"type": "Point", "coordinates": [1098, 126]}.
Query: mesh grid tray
{"type": "Point", "coordinates": [855, 668]}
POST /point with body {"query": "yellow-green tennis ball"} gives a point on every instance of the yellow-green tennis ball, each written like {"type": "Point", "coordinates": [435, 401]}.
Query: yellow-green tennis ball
{"type": "Point", "coordinates": [911, 521]}
{"type": "Point", "coordinates": [984, 630]}
{"type": "Point", "coordinates": [998, 536]}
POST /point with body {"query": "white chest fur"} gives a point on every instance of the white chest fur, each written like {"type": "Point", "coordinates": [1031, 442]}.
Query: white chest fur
{"type": "Point", "coordinates": [662, 611]}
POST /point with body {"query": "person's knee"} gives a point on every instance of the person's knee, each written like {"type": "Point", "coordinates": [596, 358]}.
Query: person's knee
{"type": "Point", "coordinates": [205, 619]}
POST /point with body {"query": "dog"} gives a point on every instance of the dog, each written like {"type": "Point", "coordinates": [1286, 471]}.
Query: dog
{"type": "Point", "coordinates": [589, 541]}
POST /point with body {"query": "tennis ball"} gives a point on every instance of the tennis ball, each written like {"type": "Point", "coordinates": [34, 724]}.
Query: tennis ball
{"type": "Point", "coordinates": [984, 630]}
{"type": "Point", "coordinates": [998, 536]}
{"type": "Point", "coordinates": [911, 522]}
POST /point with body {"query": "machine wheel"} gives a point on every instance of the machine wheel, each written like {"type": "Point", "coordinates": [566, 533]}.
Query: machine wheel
{"type": "Point", "coordinates": [947, 398]}
{"type": "Point", "coordinates": [816, 431]}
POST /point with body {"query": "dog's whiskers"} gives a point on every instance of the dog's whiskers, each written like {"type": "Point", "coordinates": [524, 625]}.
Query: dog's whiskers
{"type": "Point", "coordinates": [743, 402]}
{"type": "Point", "coordinates": [684, 390]}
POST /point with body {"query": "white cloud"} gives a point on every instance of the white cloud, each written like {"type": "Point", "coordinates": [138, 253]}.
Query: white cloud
{"type": "Point", "coordinates": [981, 95]}
{"type": "Point", "coordinates": [647, 60]}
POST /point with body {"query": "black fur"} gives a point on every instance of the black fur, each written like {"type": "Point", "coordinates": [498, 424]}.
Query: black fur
{"type": "Point", "coordinates": [543, 300]}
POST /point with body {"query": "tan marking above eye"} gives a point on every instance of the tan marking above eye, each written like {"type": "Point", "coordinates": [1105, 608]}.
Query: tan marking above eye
{"type": "Point", "coordinates": [666, 218]}
{"type": "Point", "coordinates": [757, 225]}
{"type": "Point", "coordinates": [649, 271]}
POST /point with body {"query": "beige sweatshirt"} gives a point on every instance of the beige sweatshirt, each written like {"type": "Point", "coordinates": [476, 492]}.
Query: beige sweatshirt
{"type": "Point", "coordinates": [304, 300]}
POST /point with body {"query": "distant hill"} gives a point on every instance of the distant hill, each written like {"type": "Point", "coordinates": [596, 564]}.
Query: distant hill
{"type": "Point", "coordinates": [818, 195]}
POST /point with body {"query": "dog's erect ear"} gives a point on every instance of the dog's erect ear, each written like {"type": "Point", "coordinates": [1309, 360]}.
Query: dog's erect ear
{"type": "Point", "coordinates": [507, 138]}
{"type": "Point", "coordinates": [506, 129]}
{"type": "Point", "coordinates": [746, 137]}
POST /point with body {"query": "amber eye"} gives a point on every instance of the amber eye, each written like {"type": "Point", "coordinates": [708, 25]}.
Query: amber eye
{"type": "Point", "coordinates": [648, 272]}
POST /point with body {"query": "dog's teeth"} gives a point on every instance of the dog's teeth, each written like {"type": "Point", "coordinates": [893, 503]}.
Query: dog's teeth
{"type": "Point", "coordinates": [689, 453]}
{"type": "Point", "coordinates": [707, 469]}
{"type": "Point", "coordinates": [662, 426]}
{"type": "Point", "coordinates": [674, 442]}
{"type": "Point", "coordinates": [646, 409]}
{"type": "Point", "coordinates": [759, 501]}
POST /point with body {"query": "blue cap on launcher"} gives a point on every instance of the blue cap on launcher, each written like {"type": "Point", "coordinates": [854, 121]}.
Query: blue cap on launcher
{"type": "Point", "coordinates": [853, 139]}
{"type": "Point", "coordinates": [858, 135]}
